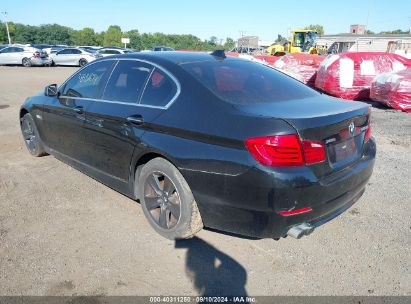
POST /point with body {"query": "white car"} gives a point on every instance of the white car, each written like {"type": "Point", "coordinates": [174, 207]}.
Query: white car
{"type": "Point", "coordinates": [104, 52]}
{"type": "Point", "coordinates": [73, 56]}
{"type": "Point", "coordinates": [26, 56]}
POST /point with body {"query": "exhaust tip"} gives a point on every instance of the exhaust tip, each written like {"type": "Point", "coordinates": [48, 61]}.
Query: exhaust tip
{"type": "Point", "coordinates": [300, 230]}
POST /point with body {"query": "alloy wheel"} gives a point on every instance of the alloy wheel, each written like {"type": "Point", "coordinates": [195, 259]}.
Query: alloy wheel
{"type": "Point", "coordinates": [162, 200]}
{"type": "Point", "coordinates": [29, 135]}
{"type": "Point", "coordinates": [26, 62]}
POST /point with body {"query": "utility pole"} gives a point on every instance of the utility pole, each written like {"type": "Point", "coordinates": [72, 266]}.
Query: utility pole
{"type": "Point", "coordinates": [7, 26]}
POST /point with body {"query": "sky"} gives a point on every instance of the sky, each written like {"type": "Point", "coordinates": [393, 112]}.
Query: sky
{"type": "Point", "coordinates": [224, 18]}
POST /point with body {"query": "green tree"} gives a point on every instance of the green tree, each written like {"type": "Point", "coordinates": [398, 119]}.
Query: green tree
{"type": "Point", "coordinates": [3, 33]}
{"type": "Point", "coordinates": [100, 38]}
{"type": "Point", "coordinates": [86, 36]}
{"type": "Point", "coordinates": [281, 40]}
{"type": "Point", "coordinates": [229, 43]}
{"type": "Point", "coordinates": [113, 35]}
{"type": "Point", "coordinates": [53, 34]}
{"type": "Point", "coordinates": [395, 32]}
{"type": "Point", "coordinates": [58, 34]}
{"type": "Point", "coordinates": [24, 33]}
{"type": "Point", "coordinates": [316, 27]}
{"type": "Point", "coordinates": [213, 41]}
{"type": "Point", "coordinates": [135, 42]}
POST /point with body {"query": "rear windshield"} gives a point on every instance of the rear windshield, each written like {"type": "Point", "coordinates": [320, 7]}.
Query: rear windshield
{"type": "Point", "coordinates": [246, 82]}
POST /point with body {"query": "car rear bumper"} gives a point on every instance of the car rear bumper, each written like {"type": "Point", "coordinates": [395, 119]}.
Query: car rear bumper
{"type": "Point", "coordinates": [250, 204]}
{"type": "Point", "coordinates": [40, 61]}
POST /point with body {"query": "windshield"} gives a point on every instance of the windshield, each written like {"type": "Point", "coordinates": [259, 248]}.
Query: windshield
{"type": "Point", "coordinates": [304, 40]}
{"type": "Point", "coordinates": [246, 82]}
{"type": "Point", "coordinates": [310, 39]}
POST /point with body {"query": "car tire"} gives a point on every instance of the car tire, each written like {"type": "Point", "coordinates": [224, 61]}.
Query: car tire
{"type": "Point", "coordinates": [26, 62]}
{"type": "Point", "coordinates": [31, 136]}
{"type": "Point", "coordinates": [82, 62]}
{"type": "Point", "coordinates": [167, 200]}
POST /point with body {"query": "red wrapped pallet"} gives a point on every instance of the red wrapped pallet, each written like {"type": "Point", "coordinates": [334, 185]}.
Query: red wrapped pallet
{"type": "Point", "coordinates": [268, 59]}
{"type": "Point", "coordinates": [349, 75]}
{"type": "Point", "coordinates": [393, 90]}
{"type": "Point", "coordinates": [300, 66]}
{"type": "Point", "coordinates": [264, 59]}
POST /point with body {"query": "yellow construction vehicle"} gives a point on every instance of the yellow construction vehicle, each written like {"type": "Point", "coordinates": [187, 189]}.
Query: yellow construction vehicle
{"type": "Point", "coordinates": [302, 41]}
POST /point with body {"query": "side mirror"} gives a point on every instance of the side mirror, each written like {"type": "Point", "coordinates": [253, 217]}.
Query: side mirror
{"type": "Point", "coordinates": [51, 90]}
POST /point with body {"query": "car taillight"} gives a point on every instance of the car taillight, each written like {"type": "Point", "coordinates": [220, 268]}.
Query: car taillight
{"type": "Point", "coordinates": [314, 151]}
{"type": "Point", "coordinates": [368, 132]}
{"type": "Point", "coordinates": [285, 150]}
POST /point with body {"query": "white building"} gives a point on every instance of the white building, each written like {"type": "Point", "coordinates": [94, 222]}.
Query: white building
{"type": "Point", "coordinates": [400, 44]}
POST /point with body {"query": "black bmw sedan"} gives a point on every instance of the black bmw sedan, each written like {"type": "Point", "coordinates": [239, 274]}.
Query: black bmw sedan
{"type": "Point", "coordinates": [201, 140]}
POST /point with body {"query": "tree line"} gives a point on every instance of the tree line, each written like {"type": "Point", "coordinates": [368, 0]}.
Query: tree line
{"type": "Point", "coordinates": [57, 34]}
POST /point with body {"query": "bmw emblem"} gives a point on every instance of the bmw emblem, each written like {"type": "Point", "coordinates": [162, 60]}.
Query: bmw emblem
{"type": "Point", "coordinates": [351, 128]}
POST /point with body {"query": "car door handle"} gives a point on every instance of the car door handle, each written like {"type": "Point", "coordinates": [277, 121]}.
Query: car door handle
{"type": "Point", "coordinates": [135, 120]}
{"type": "Point", "coordinates": [79, 110]}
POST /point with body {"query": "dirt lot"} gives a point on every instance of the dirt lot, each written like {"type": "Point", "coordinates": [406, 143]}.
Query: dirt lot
{"type": "Point", "coordinates": [62, 233]}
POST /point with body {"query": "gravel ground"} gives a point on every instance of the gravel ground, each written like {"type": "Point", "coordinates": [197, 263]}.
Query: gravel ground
{"type": "Point", "coordinates": [63, 233]}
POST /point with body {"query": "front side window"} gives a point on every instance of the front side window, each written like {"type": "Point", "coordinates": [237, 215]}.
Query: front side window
{"type": "Point", "coordinates": [160, 89]}
{"type": "Point", "coordinates": [5, 50]}
{"type": "Point", "coordinates": [127, 81]}
{"type": "Point", "coordinates": [88, 82]}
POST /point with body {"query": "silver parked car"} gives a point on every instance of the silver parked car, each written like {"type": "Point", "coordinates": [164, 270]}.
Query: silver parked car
{"type": "Point", "coordinates": [26, 56]}
{"type": "Point", "coordinates": [73, 56]}
{"type": "Point", "coordinates": [104, 52]}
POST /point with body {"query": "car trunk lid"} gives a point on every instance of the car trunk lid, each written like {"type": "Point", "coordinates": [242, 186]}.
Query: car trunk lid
{"type": "Point", "coordinates": [339, 125]}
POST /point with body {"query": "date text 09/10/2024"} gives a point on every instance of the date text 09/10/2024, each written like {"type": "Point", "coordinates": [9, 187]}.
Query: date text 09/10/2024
{"type": "Point", "coordinates": [203, 299]}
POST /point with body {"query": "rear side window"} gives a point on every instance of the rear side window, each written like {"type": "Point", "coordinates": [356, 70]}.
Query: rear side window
{"type": "Point", "coordinates": [88, 82]}
{"type": "Point", "coordinates": [109, 52]}
{"type": "Point", "coordinates": [246, 82]}
{"type": "Point", "coordinates": [160, 89]}
{"type": "Point", "coordinates": [127, 81]}
{"type": "Point", "coordinates": [64, 52]}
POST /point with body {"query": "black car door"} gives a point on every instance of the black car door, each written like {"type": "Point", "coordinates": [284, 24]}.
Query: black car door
{"type": "Point", "coordinates": [114, 125]}
{"type": "Point", "coordinates": [64, 115]}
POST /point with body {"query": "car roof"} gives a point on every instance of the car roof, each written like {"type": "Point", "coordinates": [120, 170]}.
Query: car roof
{"type": "Point", "coordinates": [174, 56]}
{"type": "Point", "coordinates": [112, 47]}
{"type": "Point", "coordinates": [108, 48]}
{"type": "Point", "coordinates": [72, 48]}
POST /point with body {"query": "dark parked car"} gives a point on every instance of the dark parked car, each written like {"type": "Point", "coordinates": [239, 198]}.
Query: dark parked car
{"type": "Point", "coordinates": [161, 48]}
{"type": "Point", "coordinates": [204, 140]}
